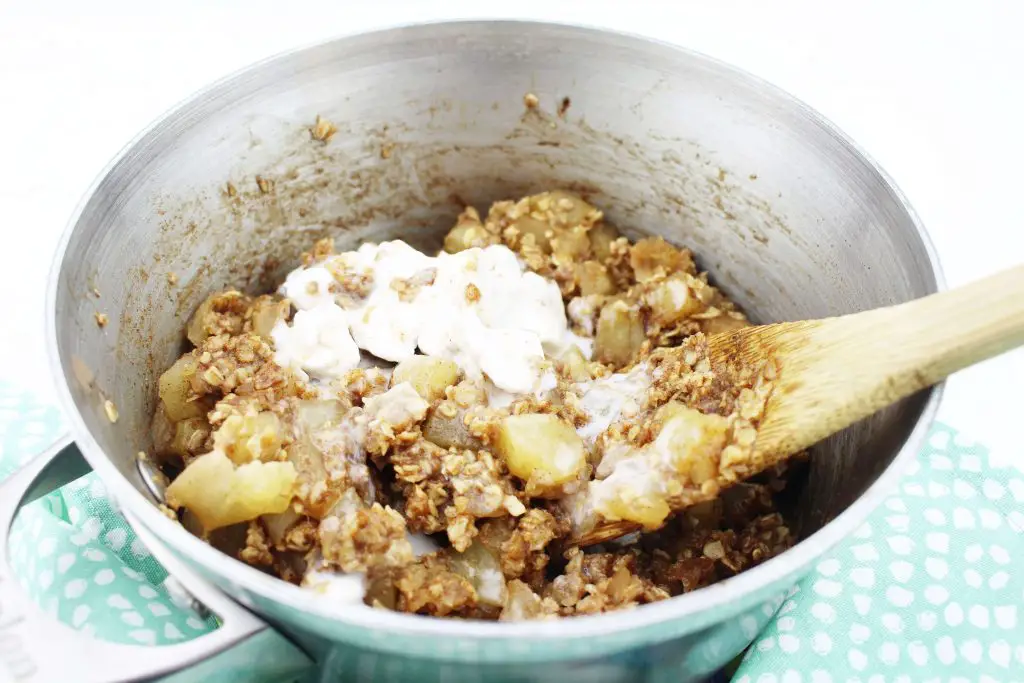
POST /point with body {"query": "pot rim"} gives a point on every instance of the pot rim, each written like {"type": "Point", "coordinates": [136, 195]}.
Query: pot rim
{"type": "Point", "coordinates": [713, 597]}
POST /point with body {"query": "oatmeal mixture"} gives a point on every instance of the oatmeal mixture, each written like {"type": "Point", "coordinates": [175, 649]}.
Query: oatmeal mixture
{"type": "Point", "coordinates": [525, 425]}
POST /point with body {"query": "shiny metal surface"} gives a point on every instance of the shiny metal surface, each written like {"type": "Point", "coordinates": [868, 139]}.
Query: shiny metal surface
{"type": "Point", "coordinates": [788, 216]}
{"type": "Point", "coordinates": [32, 636]}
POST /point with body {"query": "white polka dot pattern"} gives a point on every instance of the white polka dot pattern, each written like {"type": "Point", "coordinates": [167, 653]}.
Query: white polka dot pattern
{"type": "Point", "coordinates": [925, 590]}
{"type": "Point", "coordinates": [74, 555]}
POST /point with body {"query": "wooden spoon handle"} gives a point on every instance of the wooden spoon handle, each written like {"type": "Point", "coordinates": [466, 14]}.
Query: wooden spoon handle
{"type": "Point", "coordinates": [949, 331]}
{"type": "Point", "coordinates": [837, 371]}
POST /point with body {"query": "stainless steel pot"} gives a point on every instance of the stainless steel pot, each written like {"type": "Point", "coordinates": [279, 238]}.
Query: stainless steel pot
{"type": "Point", "coordinates": [784, 211]}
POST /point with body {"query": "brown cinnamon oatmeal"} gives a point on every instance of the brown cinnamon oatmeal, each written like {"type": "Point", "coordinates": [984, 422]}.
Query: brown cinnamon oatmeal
{"type": "Point", "coordinates": [257, 549]}
{"type": "Point", "coordinates": [625, 476]}
{"type": "Point", "coordinates": [365, 538]}
{"type": "Point", "coordinates": [427, 586]}
{"type": "Point", "coordinates": [449, 489]}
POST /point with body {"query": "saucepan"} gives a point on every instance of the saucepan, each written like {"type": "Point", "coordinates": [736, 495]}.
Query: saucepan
{"type": "Point", "coordinates": [789, 217]}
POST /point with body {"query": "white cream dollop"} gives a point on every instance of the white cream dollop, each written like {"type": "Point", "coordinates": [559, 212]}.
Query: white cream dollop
{"type": "Point", "coordinates": [583, 312]}
{"type": "Point", "coordinates": [338, 588]}
{"type": "Point", "coordinates": [317, 343]}
{"type": "Point", "coordinates": [398, 406]}
{"type": "Point", "coordinates": [609, 399]}
{"type": "Point", "coordinates": [384, 323]}
{"type": "Point", "coordinates": [499, 398]}
{"type": "Point", "coordinates": [478, 307]}
{"type": "Point", "coordinates": [308, 287]}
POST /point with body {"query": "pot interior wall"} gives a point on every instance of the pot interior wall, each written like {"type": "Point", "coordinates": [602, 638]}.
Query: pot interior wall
{"type": "Point", "coordinates": [787, 217]}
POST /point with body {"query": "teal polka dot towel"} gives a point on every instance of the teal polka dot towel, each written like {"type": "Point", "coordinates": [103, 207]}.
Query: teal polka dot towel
{"type": "Point", "coordinates": [930, 588]}
{"type": "Point", "coordinates": [75, 556]}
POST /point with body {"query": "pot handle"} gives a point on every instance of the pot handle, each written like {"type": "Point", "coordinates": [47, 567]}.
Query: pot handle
{"type": "Point", "coordinates": [34, 647]}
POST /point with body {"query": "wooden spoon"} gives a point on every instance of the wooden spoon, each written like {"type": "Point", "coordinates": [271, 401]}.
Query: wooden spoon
{"type": "Point", "coordinates": [836, 371]}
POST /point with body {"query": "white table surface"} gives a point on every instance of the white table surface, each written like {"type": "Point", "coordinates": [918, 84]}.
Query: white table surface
{"type": "Point", "coordinates": [933, 90]}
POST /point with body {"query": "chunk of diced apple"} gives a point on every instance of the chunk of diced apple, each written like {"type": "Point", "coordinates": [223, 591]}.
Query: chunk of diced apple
{"type": "Point", "coordinates": [653, 256]}
{"type": "Point", "coordinates": [190, 437]}
{"type": "Point", "coordinates": [570, 244]}
{"type": "Point", "coordinates": [254, 436]}
{"type": "Point", "coordinates": [175, 389]}
{"type": "Point", "coordinates": [480, 566]}
{"type": "Point", "coordinates": [576, 364]}
{"type": "Point", "coordinates": [449, 431]}
{"type": "Point", "coordinates": [601, 237]}
{"type": "Point", "coordinates": [672, 300]}
{"type": "Point", "coordinates": [542, 450]}
{"type": "Point", "coordinates": [647, 509]}
{"type": "Point", "coordinates": [267, 311]}
{"type": "Point", "coordinates": [429, 376]}
{"type": "Point", "coordinates": [594, 279]}
{"type": "Point", "coordinates": [620, 334]}
{"type": "Point", "coordinates": [693, 440]}
{"type": "Point", "coordinates": [312, 416]}
{"type": "Point", "coordinates": [220, 494]}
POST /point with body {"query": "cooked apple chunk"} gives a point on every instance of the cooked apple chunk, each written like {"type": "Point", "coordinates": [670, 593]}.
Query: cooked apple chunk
{"type": "Point", "coordinates": [428, 376]}
{"type": "Point", "coordinates": [542, 450]}
{"type": "Point", "coordinates": [220, 494]}
{"type": "Point", "coordinates": [175, 389]}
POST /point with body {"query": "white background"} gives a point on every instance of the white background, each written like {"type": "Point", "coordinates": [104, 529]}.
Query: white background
{"type": "Point", "coordinates": [933, 90]}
